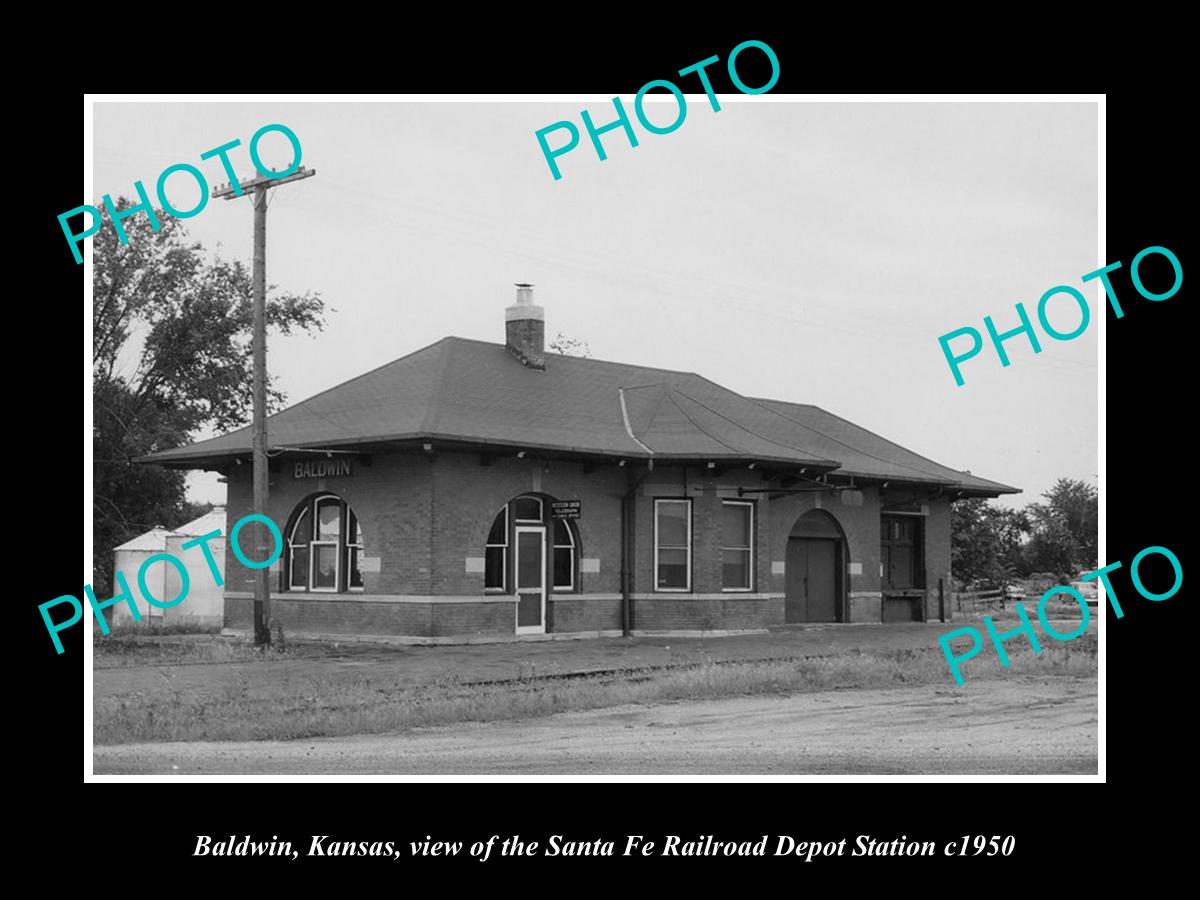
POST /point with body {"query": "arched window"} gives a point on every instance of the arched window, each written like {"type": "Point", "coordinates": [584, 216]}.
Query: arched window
{"type": "Point", "coordinates": [564, 556]}
{"type": "Point", "coordinates": [530, 510]}
{"type": "Point", "coordinates": [495, 571]}
{"type": "Point", "coordinates": [324, 547]}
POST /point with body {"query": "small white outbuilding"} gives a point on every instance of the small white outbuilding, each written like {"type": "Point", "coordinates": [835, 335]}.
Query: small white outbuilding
{"type": "Point", "coordinates": [205, 602]}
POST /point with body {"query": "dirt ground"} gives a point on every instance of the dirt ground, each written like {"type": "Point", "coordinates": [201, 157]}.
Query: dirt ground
{"type": "Point", "coordinates": [1014, 725]}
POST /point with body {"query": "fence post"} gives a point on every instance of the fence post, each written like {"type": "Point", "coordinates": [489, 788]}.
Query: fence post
{"type": "Point", "coordinates": [941, 600]}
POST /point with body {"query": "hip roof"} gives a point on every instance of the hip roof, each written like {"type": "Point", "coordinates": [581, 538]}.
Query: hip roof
{"type": "Point", "coordinates": [474, 392]}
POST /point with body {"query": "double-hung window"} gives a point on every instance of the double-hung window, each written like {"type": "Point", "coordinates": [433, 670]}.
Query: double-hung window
{"type": "Point", "coordinates": [673, 545]}
{"type": "Point", "coordinates": [325, 544]}
{"type": "Point", "coordinates": [737, 545]}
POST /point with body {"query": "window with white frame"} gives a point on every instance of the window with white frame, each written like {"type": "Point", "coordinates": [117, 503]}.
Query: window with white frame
{"type": "Point", "coordinates": [737, 545]}
{"type": "Point", "coordinates": [298, 540]}
{"type": "Point", "coordinates": [354, 552]}
{"type": "Point", "coordinates": [673, 545]}
{"type": "Point", "coordinates": [324, 547]}
{"type": "Point", "coordinates": [495, 567]}
{"type": "Point", "coordinates": [564, 556]}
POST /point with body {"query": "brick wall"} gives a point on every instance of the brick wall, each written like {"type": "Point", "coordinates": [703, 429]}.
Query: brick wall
{"type": "Point", "coordinates": [706, 491]}
{"type": "Point", "coordinates": [424, 515]}
{"type": "Point", "coordinates": [707, 606]}
{"type": "Point", "coordinates": [346, 615]}
{"type": "Point", "coordinates": [937, 557]}
{"type": "Point", "coordinates": [732, 613]}
{"type": "Point", "coordinates": [586, 613]}
{"type": "Point", "coordinates": [467, 497]}
{"type": "Point", "coordinates": [391, 498]}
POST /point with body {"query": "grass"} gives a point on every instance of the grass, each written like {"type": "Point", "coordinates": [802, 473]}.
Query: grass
{"type": "Point", "coordinates": [172, 645]}
{"type": "Point", "coordinates": [115, 652]}
{"type": "Point", "coordinates": [155, 629]}
{"type": "Point", "coordinates": [362, 705]}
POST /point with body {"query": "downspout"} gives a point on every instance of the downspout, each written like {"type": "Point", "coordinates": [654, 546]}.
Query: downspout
{"type": "Point", "coordinates": [626, 551]}
{"type": "Point", "coordinates": [627, 524]}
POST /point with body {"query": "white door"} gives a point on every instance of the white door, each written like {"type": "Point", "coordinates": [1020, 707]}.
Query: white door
{"type": "Point", "coordinates": [531, 579]}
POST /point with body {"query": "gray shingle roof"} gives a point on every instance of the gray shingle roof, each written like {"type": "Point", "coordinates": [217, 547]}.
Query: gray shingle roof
{"type": "Point", "coordinates": [865, 453]}
{"type": "Point", "coordinates": [478, 393]}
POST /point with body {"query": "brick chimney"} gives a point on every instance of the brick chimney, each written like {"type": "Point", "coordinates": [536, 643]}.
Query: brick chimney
{"type": "Point", "coordinates": [525, 330]}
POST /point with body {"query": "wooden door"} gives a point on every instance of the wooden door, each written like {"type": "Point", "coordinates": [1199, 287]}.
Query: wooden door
{"type": "Point", "coordinates": [796, 571]}
{"type": "Point", "coordinates": [822, 581]}
{"type": "Point", "coordinates": [810, 582]}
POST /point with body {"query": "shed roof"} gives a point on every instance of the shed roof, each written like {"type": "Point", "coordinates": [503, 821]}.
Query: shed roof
{"type": "Point", "coordinates": [154, 540]}
{"type": "Point", "coordinates": [213, 520]}
{"type": "Point", "coordinates": [476, 392]}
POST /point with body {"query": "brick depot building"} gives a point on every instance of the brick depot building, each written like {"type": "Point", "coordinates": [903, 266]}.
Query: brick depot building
{"type": "Point", "coordinates": [474, 489]}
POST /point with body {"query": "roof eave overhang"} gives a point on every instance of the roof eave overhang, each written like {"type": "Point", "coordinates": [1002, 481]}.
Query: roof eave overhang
{"type": "Point", "coordinates": [950, 487]}
{"type": "Point", "coordinates": [965, 492]}
{"type": "Point", "coordinates": [615, 455]}
{"type": "Point", "coordinates": [169, 459]}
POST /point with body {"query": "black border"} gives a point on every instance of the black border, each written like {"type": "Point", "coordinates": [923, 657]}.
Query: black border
{"type": "Point", "coordinates": [1149, 449]}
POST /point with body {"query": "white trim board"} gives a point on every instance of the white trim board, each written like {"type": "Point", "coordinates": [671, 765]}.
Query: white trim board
{"type": "Point", "coordinates": [724, 595]}
{"type": "Point", "coordinates": [353, 597]}
{"type": "Point", "coordinates": [423, 640]}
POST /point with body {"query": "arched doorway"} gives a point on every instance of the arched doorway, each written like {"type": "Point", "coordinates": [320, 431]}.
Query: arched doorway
{"type": "Point", "coordinates": [531, 553]}
{"type": "Point", "coordinates": [816, 554]}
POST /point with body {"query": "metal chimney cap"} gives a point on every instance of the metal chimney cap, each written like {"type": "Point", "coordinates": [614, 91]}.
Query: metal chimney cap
{"type": "Point", "coordinates": [524, 308]}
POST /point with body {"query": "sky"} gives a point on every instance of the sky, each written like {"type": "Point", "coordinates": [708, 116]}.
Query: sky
{"type": "Point", "coordinates": [803, 251]}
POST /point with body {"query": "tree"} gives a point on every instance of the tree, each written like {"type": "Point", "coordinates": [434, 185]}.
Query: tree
{"type": "Point", "coordinates": [171, 354]}
{"type": "Point", "coordinates": [1064, 537]}
{"type": "Point", "coordinates": [569, 346]}
{"type": "Point", "coordinates": [196, 510]}
{"type": "Point", "coordinates": [986, 541]}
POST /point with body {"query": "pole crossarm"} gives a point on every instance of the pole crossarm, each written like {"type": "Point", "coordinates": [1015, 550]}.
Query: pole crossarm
{"type": "Point", "coordinates": [232, 192]}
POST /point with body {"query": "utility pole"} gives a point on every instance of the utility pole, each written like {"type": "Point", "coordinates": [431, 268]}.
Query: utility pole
{"type": "Point", "coordinates": [257, 187]}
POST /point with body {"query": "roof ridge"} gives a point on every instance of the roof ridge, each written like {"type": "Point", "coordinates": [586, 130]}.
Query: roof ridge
{"type": "Point", "coordinates": [669, 394]}
{"type": "Point", "coordinates": [850, 446]}
{"type": "Point", "coordinates": [876, 434]}
{"type": "Point", "coordinates": [336, 387]}
{"type": "Point", "coordinates": [751, 431]}
{"type": "Point", "coordinates": [583, 359]}
{"type": "Point", "coordinates": [662, 396]}
{"type": "Point", "coordinates": [439, 378]}
{"type": "Point", "coordinates": [349, 381]}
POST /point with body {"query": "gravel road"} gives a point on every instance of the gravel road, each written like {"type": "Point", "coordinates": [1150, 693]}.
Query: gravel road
{"type": "Point", "coordinates": [1005, 726]}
